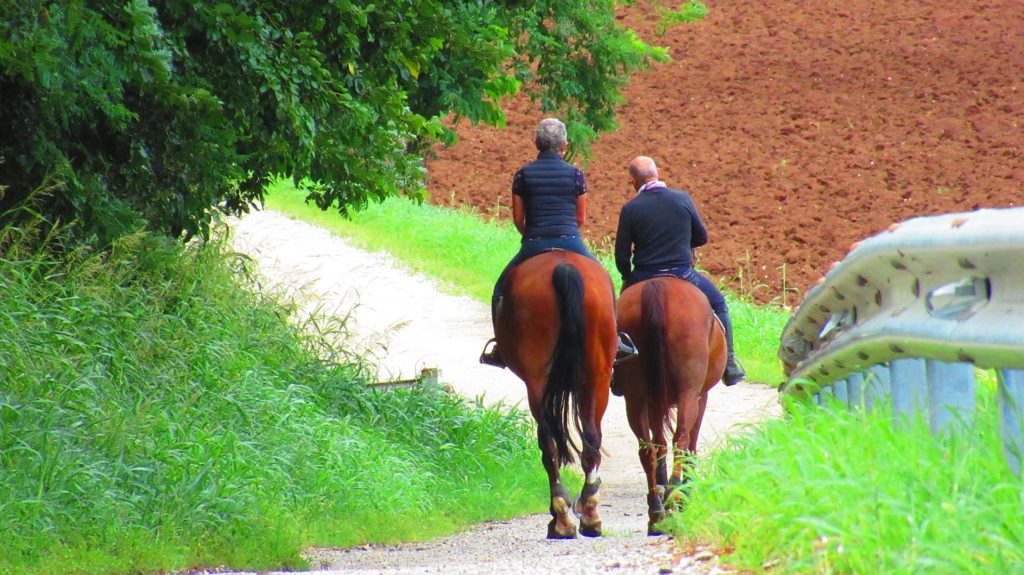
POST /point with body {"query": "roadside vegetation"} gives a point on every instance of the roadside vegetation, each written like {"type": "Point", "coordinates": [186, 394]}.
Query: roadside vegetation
{"type": "Point", "coordinates": [158, 413]}
{"type": "Point", "coordinates": [826, 490]}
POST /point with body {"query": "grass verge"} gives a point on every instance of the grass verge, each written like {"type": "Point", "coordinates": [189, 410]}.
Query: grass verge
{"type": "Point", "coordinates": [827, 490]}
{"type": "Point", "coordinates": [156, 415]}
{"type": "Point", "coordinates": [466, 255]}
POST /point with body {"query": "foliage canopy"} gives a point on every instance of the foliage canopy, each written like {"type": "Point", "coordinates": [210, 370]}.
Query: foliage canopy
{"type": "Point", "coordinates": [165, 111]}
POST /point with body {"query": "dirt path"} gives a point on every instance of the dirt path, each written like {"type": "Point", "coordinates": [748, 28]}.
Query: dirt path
{"type": "Point", "coordinates": [409, 324]}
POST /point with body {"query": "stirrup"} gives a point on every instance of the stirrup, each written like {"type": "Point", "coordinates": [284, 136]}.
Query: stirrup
{"type": "Point", "coordinates": [734, 372]}
{"type": "Point", "coordinates": [491, 357]}
{"type": "Point", "coordinates": [626, 350]}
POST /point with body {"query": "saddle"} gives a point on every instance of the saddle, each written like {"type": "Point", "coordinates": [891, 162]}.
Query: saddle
{"type": "Point", "coordinates": [504, 280]}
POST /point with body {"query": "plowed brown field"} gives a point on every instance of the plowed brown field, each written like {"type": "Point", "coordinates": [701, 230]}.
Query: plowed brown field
{"type": "Point", "coordinates": [798, 127]}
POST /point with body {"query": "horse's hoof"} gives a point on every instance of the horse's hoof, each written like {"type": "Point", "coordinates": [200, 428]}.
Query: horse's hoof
{"type": "Point", "coordinates": [655, 515]}
{"type": "Point", "coordinates": [554, 533]}
{"type": "Point", "coordinates": [590, 518]}
{"type": "Point", "coordinates": [590, 529]}
{"type": "Point", "coordinates": [560, 526]}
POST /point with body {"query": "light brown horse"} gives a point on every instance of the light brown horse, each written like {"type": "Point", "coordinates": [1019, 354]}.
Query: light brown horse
{"type": "Point", "coordinates": [682, 356]}
{"type": "Point", "coordinates": [556, 331]}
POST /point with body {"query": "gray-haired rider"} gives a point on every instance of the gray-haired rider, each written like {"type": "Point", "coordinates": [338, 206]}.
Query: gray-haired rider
{"type": "Point", "coordinates": [549, 203]}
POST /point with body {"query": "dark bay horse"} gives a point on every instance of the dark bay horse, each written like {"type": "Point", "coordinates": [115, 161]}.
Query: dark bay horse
{"type": "Point", "coordinates": [682, 356]}
{"type": "Point", "coordinates": [556, 331]}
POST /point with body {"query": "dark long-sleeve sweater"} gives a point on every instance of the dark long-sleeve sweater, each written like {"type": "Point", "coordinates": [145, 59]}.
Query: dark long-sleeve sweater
{"type": "Point", "coordinates": [658, 230]}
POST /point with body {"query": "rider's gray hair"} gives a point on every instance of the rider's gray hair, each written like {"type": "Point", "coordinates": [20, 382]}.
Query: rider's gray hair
{"type": "Point", "coordinates": [550, 135]}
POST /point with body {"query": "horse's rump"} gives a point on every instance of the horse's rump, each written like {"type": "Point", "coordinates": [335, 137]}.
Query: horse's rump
{"type": "Point", "coordinates": [556, 330]}
{"type": "Point", "coordinates": [673, 326]}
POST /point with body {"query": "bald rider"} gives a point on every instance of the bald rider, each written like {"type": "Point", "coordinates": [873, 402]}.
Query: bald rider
{"type": "Point", "coordinates": [658, 230]}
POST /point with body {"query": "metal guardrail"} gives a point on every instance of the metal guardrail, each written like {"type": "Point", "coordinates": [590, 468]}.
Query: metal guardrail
{"type": "Point", "coordinates": [908, 315]}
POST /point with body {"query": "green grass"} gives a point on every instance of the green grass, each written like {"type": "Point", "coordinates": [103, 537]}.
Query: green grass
{"type": "Point", "coordinates": [466, 254]}
{"type": "Point", "coordinates": [833, 491]}
{"type": "Point", "coordinates": [157, 413]}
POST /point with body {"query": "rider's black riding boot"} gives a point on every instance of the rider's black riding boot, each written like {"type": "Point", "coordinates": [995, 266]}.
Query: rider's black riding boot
{"type": "Point", "coordinates": [492, 356]}
{"type": "Point", "coordinates": [625, 351]}
{"type": "Point", "coordinates": [616, 388]}
{"type": "Point", "coordinates": [733, 370]}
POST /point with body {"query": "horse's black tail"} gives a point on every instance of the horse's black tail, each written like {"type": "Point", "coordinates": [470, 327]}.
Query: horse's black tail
{"type": "Point", "coordinates": [565, 378]}
{"type": "Point", "coordinates": [652, 317]}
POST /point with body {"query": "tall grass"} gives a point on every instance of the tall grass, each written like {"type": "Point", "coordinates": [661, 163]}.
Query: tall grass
{"type": "Point", "coordinates": [827, 490]}
{"type": "Point", "coordinates": [466, 254]}
{"type": "Point", "coordinates": [157, 415]}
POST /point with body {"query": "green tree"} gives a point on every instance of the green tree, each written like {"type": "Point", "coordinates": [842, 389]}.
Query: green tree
{"type": "Point", "coordinates": [165, 111]}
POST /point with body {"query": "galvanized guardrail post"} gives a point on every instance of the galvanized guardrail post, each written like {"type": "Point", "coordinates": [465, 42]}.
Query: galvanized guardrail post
{"type": "Point", "coordinates": [840, 389]}
{"type": "Point", "coordinates": [878, 384]}
{"type": "Point", "coordinates": [909, 388]}
{"type": "Point", "coordinates": [1011, 407]}
{"type": "Point", "coordinates": [950, 394]}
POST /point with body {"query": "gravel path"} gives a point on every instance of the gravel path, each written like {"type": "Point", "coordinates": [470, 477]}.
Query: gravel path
{"type": "Point", "coordinates": [408, 324]}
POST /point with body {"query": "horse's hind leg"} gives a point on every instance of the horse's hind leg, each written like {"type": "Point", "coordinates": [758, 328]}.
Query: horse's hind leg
{"type": "Point", "coordinates": [593, 402]}
{"type": "Point", "coordinates": [695, 432]}
{"type": "Point", "coordinates": [647, 451]}
{"type": "Point", "coordinates": [683, 443]}
{"type": "Point", "coordinates": [561, 525]}
{"type": "Point", "coordinates": [661, 455]}
{"type": "Point", "coordinates": [685, 454]}
{"type": "Point", "coordinates": [586, 507]}
{"type": "Point", "coordinates": [652, 457]}
{"type": "Point", "coordinates": [661, 443]}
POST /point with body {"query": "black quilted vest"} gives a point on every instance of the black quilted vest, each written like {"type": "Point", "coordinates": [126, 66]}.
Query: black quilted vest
{"type": "Point", "coordinates": [549, 187]}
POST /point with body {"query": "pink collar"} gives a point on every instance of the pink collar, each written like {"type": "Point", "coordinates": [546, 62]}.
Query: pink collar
{"type": "Point", "coordinates": [650, 186]}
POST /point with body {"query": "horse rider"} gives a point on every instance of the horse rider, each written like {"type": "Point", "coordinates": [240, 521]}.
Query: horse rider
{"type": "Point", "coordinates": [549, 203]}
{"type": "Point", "coordinates": [657, 232]}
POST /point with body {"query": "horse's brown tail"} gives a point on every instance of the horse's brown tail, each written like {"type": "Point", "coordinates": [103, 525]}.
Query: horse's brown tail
{"type": "Point", "coordinates": [652, 317]}
{"type": "Point", "coordinates": [565, 378]}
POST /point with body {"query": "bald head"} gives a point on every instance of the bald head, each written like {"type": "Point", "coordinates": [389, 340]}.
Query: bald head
{"type": "Point", "coordinates": [642, 170]}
